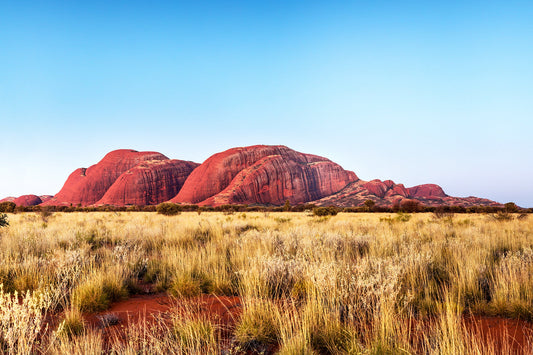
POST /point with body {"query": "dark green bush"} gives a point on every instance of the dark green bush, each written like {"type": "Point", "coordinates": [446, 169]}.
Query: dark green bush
{"type": "Point", "coordinates": [325, 211]}
{"type": "Point", "coordinates": [410, 206]}
{"type": "Point", "coordinates": [3, 220]}
{"type": "Point", "coordinates": [168, 209]}
{"type": "Point", "coordinates": [8, 207]}
{"type": "Point", "coordinates": [369, 204]}
{"type": "Point", "coordinates": [511, 207]}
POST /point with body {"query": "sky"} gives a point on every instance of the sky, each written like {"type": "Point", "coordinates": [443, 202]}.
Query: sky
{"type": "Point", "coordinates": [413, 91]}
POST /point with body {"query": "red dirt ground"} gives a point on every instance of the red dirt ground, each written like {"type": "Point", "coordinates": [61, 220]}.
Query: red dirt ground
{"type": "Point", "coordinates": [156, 309]}
{"type": "Point", "coordinates": [223, 309]}
{"type": "Point", "coordinates": [506, 335]}
{"type": "Point", "coordinates": [509, 336]}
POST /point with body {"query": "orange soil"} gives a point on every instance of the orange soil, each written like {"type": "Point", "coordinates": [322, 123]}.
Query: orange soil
{"type": "Point", "coordinates": [155, 308]}
{"type": "Point", "coordinates": [505, 335]}
{"type": "Point", "coordinates": [223, 309]}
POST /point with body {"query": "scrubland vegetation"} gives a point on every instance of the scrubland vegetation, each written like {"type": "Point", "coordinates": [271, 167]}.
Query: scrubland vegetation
{"type": "Point", "coordinates": [344, 284]}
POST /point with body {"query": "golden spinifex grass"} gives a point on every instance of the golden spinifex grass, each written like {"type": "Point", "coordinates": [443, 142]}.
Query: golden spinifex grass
{"type": "Point", "coordinates": [352, 283]}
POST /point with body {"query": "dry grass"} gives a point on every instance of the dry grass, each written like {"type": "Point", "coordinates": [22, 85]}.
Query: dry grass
{"type": "Point", "coordinates": [351, 283]}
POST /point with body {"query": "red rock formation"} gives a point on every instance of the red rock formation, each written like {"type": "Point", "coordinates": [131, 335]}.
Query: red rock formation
{"type": "Point", "coordinates": [273, 180]}
{"type": "Point", "coordinates": [263, 175]}
{"type": "Point", "coordinates": [387, 193]}
{"type": "Point", "coordinates": [8, 199]}
{"type": "Point", "coordinates": [398, 190]}
{"type": "Point", "coordinates": [427, 191]}
{"type": "Point", "coordinates": [376, 187]}
{"type": "Point", "coordinates": [45, 198]}
{"type": "Point", "coordinates": [259, 174]}
{"type": "Point", "coordinates": [148, 183]}
{"type": "Point", "coordinates": [86, 186]}
{"type": "Point", "coordinates": [27, 200]}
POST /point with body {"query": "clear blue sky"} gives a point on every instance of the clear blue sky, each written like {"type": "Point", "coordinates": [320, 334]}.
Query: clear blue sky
{"type": "Point", "coordinates": [415, 91]}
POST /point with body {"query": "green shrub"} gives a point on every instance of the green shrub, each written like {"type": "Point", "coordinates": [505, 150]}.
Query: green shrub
{"type": "Point", "coordinates": [185, 286]}
{"type": "Point", "coordinates": [8, 207]}
{"type": "Point", "coordinates": [73, 324]}
{"type": "Point", "coordinates": [369, 205]}
{"type": "Point", "coordinates": [410, 206]}
{"type": "Point", "coordinates": [325, 211]}
{"type": "Point", "coordinates": [3, 220]}
{"type": "Point", "coordinates": [331, 338]}
{"type": "Point", "coordinates": [196, 336]}
{"type": "Point", "coordinates": [90, 297]}
{"type": "Point", "coordinates": [511, 207]}
{"type": "Point", "coordinates": [258, 325]}
{"type": "Point", "coordinates": [98, 291]}
{"type": "Point", "coordinates": [168, 209]}
{"type": "Point", "coordinates": [502, 216]}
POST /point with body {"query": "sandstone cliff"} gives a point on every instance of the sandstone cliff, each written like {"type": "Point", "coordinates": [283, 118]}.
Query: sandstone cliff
{"type": "Point", "coordinates": [148, 183]}
{"type": "Point", "coordinates": [87, 186]}
{"type": "Point", "coordinates": [263, 175]}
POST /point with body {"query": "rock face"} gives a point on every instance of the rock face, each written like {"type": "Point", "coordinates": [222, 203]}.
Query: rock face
{"type": "Point", "coordinates": [263, 175]}
{"type": "Point", "coordinates": [255, 175]}
{"type": "Point", "coordinates": [45, 198]}
{"type": "Point", "coordinates": [8, 199]}
{"type": "Point", "coordinates": [28, 200]}
{"type": "Point", "coordinates": [387, 193]}
{"type": "Point", "coordinates": [427, 191]}
{"type": "Point", "coordinates": [87, 186]}
{"type": "Point", "coordinates": [148, 183]}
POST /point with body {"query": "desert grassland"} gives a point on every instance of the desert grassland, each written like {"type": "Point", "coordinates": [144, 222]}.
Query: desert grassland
{"type": "Point", "coordinates": [351, 283]}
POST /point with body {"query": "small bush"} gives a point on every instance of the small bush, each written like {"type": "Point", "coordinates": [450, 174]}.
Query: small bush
{"type": "Point", "coordinates": [502, 216]}
{"type": "Point", "coordinates": [90, 297]}
{"type": "Point", "coordinates": [185, 287]}
{"type": "Point", "coordinates": [410, 206]}
{"type": "Point", "coordinates": [511, 207]}
{"type": "Point", "coordinates": [258, 325]}
{"type": "Point", "coordinates": [97, 292]}
{"type": "Point", "coordinates": [442, 212]}
{"type": "Point", "coordinates": [369, 205]}
{"type": "Point", "coordinates": [168, 209]}
{"type": "Point", "coordinates": [8, 207]}
{"type": "Point", "coordinates": [195, 336]}
{"type": "Point", "coordinates": [3, 220]}
{"type": "Point", "coordinates": [331, 338]}
{"type": "Point", "coordinates": [400, 217]}
{"type": "Point", "coordinates": [46, 212]}
{"type": "Point", "coordinates": [325, 211]}
{"type": "Point", "coordinates": [72, 324]}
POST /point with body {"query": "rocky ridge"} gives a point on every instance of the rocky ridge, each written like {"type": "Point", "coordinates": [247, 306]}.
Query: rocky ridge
{"type": "Point", "coordinates": [254, 175]}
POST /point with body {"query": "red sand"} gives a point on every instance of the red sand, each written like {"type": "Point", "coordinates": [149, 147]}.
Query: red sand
{"type": "Point", "coordinates": [508, 336]}
{"type": "Point", "coordinates": [155, 309]}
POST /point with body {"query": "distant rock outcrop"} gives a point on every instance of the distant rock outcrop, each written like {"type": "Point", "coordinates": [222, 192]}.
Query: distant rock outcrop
{"type": "Point", "coordinates": [428, 191]}
{"type": "Point", "coordinates": [28, 200]}
{"type": "Point", "coordinates": [387, 193]}
{"type": "Point", "coordinates": [148, 183]}
{"type": "Point", "coordinates": [45, 198]}
{"type": "Point", "coordinates": [254, 175]}
{"type": "Point", "coordinates": [87, 186]}
{"type": "Point", "coordinates": [267, 175]}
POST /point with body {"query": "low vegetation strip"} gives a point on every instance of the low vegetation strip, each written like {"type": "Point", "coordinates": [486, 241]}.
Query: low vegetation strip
{"type": "Point", "coordinates": [304, 283]}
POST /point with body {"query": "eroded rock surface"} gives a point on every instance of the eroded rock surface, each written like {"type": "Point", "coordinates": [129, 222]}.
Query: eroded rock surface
{"type": "Point", "coordinates": [148, 183]}
{"type": "Point", "coordinates": [28, 200]}
{"type": "Point", "coordinates": [263, 175]}
{"type": "Point", "coordinates": [87, 186]}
